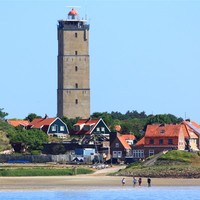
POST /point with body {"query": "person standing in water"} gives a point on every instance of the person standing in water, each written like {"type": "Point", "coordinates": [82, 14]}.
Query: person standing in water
{"type": "Point", "coordinates": [140, 181]}
{"type": "Point", "coordinates": [123, 181]}
{"type": "Point", "coordinates": [134, 181]}
{"type": "Point", "coordinates": [149, 182]}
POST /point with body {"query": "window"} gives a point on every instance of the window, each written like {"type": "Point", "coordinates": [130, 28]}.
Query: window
{"type": "Point", "coordinates": [76, 53]}
{"type": "Point", "coordinates": [170, 141]}
{"type": "Point", "coordinates": [151, 141]}
{"type": "Point", "coordinates": [76, 85]}
{"type": "Point", "coordinates": [62, 128]}
{"type": "Point", "coordinates": [162, 131]}
{"type": "Point", "coordinates": [76, 101]}
{"type": "Point", "coordinates": [117, 154]}
{"type": "Point", "coordinates": [151, 152]}
{"type": "Point", "coordinates": [76, 35]}
{"type": "Point", "coordinates": [116, 145]}
{"type": "Point", "coordinates": [98, 129]}
{"type": "Point", "coordinates": [53, 128]}
{"type": "Point", "coordinates": [114, 154]}
{"type": "Point", "coordinates": [86, 128]}
{"type": "Point", "coordinates": [76, 68]}
{"type": "Point", "coordinates": [76, 128]}
{"type": "Point", "coordinates": [102, 129]}
{"type": "Point", "coordinates": [138, 153]}
{"type": "Point", "coordinates": [161, 141]}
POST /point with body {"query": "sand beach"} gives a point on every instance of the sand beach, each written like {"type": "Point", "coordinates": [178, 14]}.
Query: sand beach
{"type": "Point", "coordinates": [97, 180]}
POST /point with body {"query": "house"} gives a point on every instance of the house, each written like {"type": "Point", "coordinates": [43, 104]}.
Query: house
{"type": "Point", "coordinates": [18, 123]}
{"type": "Point", "coordinates": [90, 126]}
{"type": "Point", "coordinates": [192, 134]}
{"type": "Point", "coordinates": [52, 126]}
{"type": "Point", "coordinates": [93, 133]}
{"type": "Point", "coordinates": [120, 146]}
{"type": "Point", "coordinates": [159, 137]}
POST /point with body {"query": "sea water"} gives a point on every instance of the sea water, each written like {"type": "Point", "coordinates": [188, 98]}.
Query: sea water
{"type": "Point", "coordinates": [125, 193]}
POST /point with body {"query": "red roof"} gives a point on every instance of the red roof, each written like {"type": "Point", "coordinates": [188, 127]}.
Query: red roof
{"type": "Point", "coordinates": [40, 122]}
{"type": "Point", "coordinates": [18, 122]}
{"type": "Point", "coordinates": [128, 137]}
{"type": "Point", "coordinates": [141, 142]}
{"type": "Point", "coordinates": [192, 129]}
{"type": "Point", "coordinates": [73, 12]}
{"type": "Point", "coordinates": [85, 122]}
{"type": "Point", "coordinates": [160, 130]}
{"type": "Point", "coordinates": [123, 142]}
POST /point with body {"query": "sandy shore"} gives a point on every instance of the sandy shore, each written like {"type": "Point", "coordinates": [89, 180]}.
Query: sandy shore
{"type": "Point", "coordinates": [82, 181]}
{"type": "Point", "coordinates": [96, 180]}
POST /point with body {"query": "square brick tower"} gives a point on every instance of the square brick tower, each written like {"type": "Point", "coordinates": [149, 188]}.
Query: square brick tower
{"type": "Point", "coordinates": [73, 94]}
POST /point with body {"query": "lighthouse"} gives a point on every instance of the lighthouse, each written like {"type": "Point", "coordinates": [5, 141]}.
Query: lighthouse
{"type": "Point", "coordinates": [73, 92]}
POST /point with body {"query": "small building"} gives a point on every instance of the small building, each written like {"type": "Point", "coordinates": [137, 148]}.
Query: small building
{"type": "Point", "coordinates": [120, 146]}
{"type": "Point", "coordinates": [52, 126]}
{"type": "Point", "coordinates": [192, 134]}
{"type": "Point", "coordinates": [93, 133]}
{"type": "Point", "coordinates": [85, 151]}
{"type": "Point", "coordinates": [18, 123]}
{"type": "Point", "coordinates": [90, 126]}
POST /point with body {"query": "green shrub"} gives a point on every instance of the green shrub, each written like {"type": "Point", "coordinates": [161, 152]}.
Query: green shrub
{"type": "Point", "coordinates": [36, 152]}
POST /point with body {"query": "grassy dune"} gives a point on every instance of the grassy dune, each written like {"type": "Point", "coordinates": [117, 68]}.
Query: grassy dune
{"type": "Point", "coordinates": [174, 164]}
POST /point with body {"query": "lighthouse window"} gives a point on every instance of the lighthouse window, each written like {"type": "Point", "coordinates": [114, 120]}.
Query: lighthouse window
{"type": "Point", "coordinates": [76, 35]}
{"type": "Point", "coordinates": [76, 85]}
{"type": "Point", "coordinates": [76, 68]}
{"type": "Point", "coordinates": [76, 101]}
{"type": "Point", "coordinates": [76, 52]}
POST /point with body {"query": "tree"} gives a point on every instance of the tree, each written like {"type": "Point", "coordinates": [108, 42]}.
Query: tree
{"type": "Point", "coordinates": [33, 139]}
{"type": "Point", "coordinates": [164, 119]}
{"type": "Point", "coordinates": [32, 116]}
{"type": "Point", "coordinates": [2, 114]}
{"type": "Point", "coordinates": [69, 122]}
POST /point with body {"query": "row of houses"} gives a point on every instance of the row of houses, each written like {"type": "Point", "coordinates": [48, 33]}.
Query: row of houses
{"type": "Point", "coordinates": [158, 138]}
{"type": "Point", "coordinates": [95, 134]}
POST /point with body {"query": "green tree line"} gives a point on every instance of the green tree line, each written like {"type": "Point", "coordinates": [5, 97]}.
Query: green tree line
{"type": "Point", "coordinates": [131, 122]}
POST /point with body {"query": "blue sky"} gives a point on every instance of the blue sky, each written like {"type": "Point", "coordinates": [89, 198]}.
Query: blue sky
{"type": "Point", "coordinates": [145, 55]}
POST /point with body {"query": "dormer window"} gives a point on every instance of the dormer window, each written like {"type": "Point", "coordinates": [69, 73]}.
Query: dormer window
{"type": "Point", "coordinates": [86, 128]}
{"type": "Point", "coordinates": [162, 131]}
{"type": "Point", "coordinates": [76, 128]}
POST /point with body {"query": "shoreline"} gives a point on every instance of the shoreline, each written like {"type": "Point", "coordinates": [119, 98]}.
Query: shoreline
{"type": "Point", "coordinates": [83, 182]}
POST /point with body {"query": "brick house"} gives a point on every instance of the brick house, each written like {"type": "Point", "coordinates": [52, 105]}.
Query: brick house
{"type": "Point", "coordinates": [160, 137]}
{"type": "Point", "coordinates": [120, 146]}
